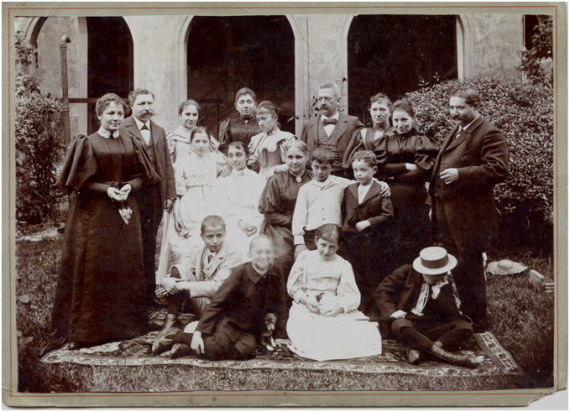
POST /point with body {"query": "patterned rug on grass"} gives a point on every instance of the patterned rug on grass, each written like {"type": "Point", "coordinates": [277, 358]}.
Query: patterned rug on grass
{"type": "Point", "coordinates": [135, 352]}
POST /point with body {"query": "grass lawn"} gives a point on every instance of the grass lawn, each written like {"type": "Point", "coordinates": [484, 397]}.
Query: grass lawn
{"type": "Point", "coordinates": [521, 319]}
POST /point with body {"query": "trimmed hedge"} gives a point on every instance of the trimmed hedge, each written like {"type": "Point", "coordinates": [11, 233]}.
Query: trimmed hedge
{"type": "Point", "coordinates": [525, 114]}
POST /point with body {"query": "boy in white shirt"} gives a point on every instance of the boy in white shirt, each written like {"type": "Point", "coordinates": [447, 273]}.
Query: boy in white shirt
{"type": "Point", "coordinates": [319, 201]}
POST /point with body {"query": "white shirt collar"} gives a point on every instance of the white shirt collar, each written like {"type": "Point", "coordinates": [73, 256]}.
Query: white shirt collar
{"type": "Point", "coordinates": [141, 124]}
{"type": "Point", "coordinates": [259, 271]}
{"type": "Point", "coordinates": [107, 134]}
{"type": "Point", "coordinates": [323, 184]}
{"type": "Point", "coordinates": [466, 127]}
{"type": "Point", "coordinates": [334, 116]}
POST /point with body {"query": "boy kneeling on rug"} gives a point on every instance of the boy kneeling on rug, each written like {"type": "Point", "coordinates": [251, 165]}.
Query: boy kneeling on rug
{"type": "Point", "coordinates": [420, 305]}
{"type": "Point", "coordinates": [194, 282]}
{"type": "Point", "coordinates": [236, 315]}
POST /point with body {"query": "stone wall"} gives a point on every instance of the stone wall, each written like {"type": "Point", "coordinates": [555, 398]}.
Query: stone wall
{"type": "Point", "coordinates": [489, 43]}
{"type": "Point", "coordinates": [496, 39]}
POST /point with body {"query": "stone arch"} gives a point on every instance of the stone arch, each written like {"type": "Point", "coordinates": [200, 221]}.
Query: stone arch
{"type": "Point", "coordinates": [464, 40]}
{"type": "Point", "coordinates": [418, 49]}
{"type": "Point", "coordinates": [293, 79]}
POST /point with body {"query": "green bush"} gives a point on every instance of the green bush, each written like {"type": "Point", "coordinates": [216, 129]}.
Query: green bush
{"type": "Point", "coordinates": [525, 114]}
{"type": "Point", "coordinates": [39, 148]}
{"type": "Point", "coordinates": [39, 144]}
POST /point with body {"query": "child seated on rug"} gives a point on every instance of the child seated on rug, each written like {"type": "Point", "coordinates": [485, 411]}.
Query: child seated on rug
{"type": "Point", "coordinates": [194, 281]}
{"type": "Point", "coordinates": [365, 211]}
{"type": "Point", "coordinates": [236, 315]}
{"type": "Point", "coordinates": [419, 305]}
{"type": "Point", "coordinates": [319, 200]}
{"type": "Point", "coordinates": [323, 321]}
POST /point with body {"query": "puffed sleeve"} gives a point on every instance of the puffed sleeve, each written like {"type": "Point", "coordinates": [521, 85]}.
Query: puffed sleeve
{"type": "Point", "coordinates": [426, 152]}
{"type": "Point", "coordinates": [171, 142]}
{"type": "Point", "coordinates": [253, 148]}
{"type": "Point", "coordinates": [270, 204]}
{"type": "Point", "coordinates": [295, 281]}
{"type": "Point", "coordinates": [347, 291]}
{"type": "Point", "coordinates": [355, 144]}
{"type": "Point", "coordinates": [79, 165]}
{"type": "Point", "coordinates": [224, 135]}
{"type": "Point", "coordinates": [385, 167]}
{"type": "Point", "coordinates": [283, 145]}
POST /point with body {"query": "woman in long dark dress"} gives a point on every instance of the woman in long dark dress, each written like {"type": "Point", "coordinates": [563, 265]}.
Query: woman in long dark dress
{"type": "Point", "coordinates": [278, 199]}
{"type": "Point", "coordinates": [100, 292]}
{"type": "Point", "coordinates": [406, 159]}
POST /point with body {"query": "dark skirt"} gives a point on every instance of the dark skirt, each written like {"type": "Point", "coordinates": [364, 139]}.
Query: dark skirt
{"type": "Point", "coordinates": [101, 287]}
{"type": "Point", "coordinates": [410, 230]}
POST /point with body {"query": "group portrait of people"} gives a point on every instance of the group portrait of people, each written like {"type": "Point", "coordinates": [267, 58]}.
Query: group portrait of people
{"type": "Point", "coordinates": [322, 242]}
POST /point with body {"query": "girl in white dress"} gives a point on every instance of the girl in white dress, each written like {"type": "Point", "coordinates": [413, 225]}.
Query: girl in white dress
{"type": "Point", "coordinates": [322, 321]}
{"type": "Point", "coordinates": [267, 149]}
{"type": "Point", "coordinates": [236, 198]}
{"type": "Point", "coordinates": [194, 177]}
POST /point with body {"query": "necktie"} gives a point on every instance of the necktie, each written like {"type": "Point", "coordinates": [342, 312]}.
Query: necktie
{"type": "Point", "coordinates": [326, 122]}
{"type": "Point", "coordinates": [459, 133]}
{"type": "Point", "coordinates": [210, 258]}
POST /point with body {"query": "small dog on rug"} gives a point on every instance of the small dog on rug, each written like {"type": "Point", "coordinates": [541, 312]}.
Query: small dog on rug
{"type": "Point", "coordinates": [266, 337]}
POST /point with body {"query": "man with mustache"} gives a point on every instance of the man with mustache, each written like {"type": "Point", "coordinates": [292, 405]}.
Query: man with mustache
{"type": "Point", "coordinates": [473, 158]}
{"type": "Point", "coordinates": [243, 128]}
{"type": "Point", "coordinates": [151, 200]}
{"type": "Point", "coordinates": [331, 129]}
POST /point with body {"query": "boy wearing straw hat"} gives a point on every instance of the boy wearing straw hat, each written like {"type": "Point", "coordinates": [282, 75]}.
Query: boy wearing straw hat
{"type": "Point", "coordinates": [419, 304]}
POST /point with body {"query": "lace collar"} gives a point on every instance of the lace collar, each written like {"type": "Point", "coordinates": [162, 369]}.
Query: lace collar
{"type": "Point", "coordinates": [107, 134]}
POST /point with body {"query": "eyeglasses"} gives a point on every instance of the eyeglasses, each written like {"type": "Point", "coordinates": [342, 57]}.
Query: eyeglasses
{"type": "Point", "coordinates": [327, 99]}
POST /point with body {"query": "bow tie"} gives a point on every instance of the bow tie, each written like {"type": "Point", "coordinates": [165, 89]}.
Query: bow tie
{"type": "Point", "coordinates": [326, 122]}
{"type": "Point", "coordinates": [144, 127]}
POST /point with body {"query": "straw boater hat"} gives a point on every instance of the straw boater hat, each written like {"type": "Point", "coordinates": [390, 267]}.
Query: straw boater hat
{"type": "Point", "coordinates": [505, 267]}
{"type": "Point", "coordinates": [434, 261]}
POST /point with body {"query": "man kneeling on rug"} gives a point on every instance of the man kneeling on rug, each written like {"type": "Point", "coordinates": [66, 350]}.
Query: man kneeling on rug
{"type": "Point", "coordinates": [194, 282]}
{"type": "Point", "coordinates": [419, 304]}
{"type": "Point", "coordinates": [236, 315]}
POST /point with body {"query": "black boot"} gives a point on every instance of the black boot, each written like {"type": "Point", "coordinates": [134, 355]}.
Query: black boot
{"type": "Point", "coordinates": [453, 358]}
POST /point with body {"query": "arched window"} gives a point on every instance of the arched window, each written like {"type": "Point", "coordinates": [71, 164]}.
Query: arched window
{"type": "Point", "coordinates": [396, 54]}
{"type": "Point", "coordinates": [227, 53]}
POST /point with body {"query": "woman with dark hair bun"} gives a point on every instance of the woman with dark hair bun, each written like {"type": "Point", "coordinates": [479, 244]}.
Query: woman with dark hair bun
{"type": "Point", "coordinates": [101, 289]}
{"type": "Point", "coordinates": [267, 149]}
{"type": "Point", "coordinates": [405, 160]}
{"type": "Point", "coordinates": [380, 109]}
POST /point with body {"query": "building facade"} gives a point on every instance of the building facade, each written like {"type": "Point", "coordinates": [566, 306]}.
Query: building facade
{"type": "Point", "coordinates": [281, 57]}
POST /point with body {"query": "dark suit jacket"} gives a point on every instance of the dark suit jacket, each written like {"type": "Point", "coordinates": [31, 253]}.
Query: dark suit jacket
{"type": "Point", "coordinates": [342, 134]}
{"type": "Point", "coordinates": [480, 155]}
{"type": "Point", "coordinates": [162, 163]}
{"type": "Point", "coordinates": [400, 291]}
{"type": "Point", "coordinates": [374, 208]}
{"type": "Point", "coordinates": [243, 300]}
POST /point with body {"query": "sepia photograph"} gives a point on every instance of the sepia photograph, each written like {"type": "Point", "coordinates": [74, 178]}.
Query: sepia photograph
{"type": "Point", "coordinates": [263, 204]}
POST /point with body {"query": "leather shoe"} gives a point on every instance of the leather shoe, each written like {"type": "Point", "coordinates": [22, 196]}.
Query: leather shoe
{"type": "Point", "coordinates": [161, 342]}
{"type": "Point", "coordinates": [414, 356]}
{"type": "Point", "coordinates": [179, 350]}
{"type": "Point", "coordinates": [74, 346]}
